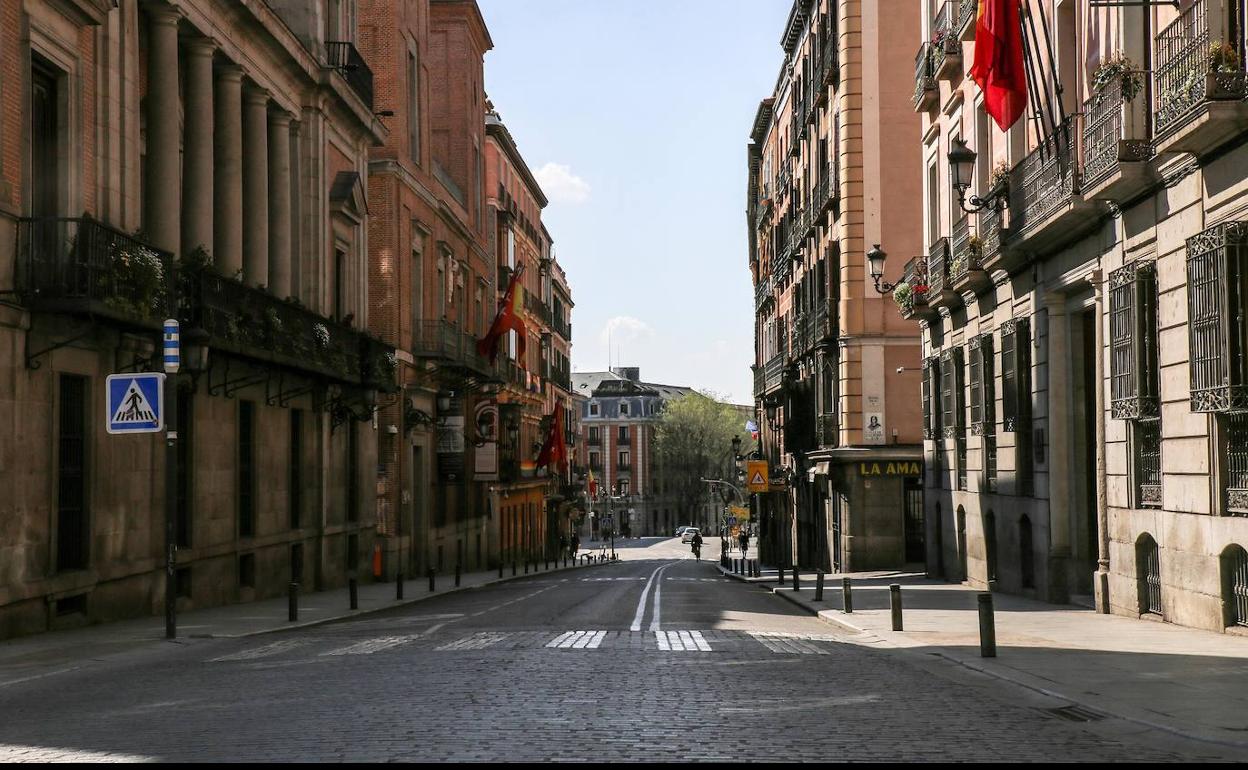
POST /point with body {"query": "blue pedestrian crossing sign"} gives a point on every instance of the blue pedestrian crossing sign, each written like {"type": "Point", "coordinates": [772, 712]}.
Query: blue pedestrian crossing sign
{"type": "Point", "coordinates": [136, 402]}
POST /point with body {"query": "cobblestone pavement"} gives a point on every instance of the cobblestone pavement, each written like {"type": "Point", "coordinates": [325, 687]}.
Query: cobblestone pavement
{"type": "Point", "coordinates": [548, 669]}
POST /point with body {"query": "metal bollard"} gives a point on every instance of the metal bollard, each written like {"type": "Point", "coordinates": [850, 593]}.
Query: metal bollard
{"type": "Point", "coordinates": [819, 585]}
{"type": "Point", "coordinates": [796, 583]}
{"type": "Point", "coordinates": [780, 572]}
{"type": "Point", "coordinates": [987, 627]}
{"type": "Point", "coordinates": [847, 596]}
{"type": "Point", "coordinates": [526, 566]}
{"type": "Point", "coordinates": [894, 601]}
{"type": "Point", "coordinates": [758, 569]}
{"type": "Point", "coordinates": [565, 561]}
{"type": "Point", "coordinates": [431, 582]}
{"type": "Point", "coordinates": [293, 602]}
{"type": "Point", "coordinates": [500, 568]}
{"type": "Point", "coordinates": [398, 585]}
{"type": "Point", "coordinates": [513, 567]}
{"type": "Point", "coordinates": [353, 590]}
{"type": "Point", "coordinates": [458, 572]}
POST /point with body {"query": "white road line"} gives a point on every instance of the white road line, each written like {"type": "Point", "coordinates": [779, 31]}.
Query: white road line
{"type": "Point", "coordinates": [645, 594]}
{"type": "Point", "coordinates": [661, 638]}
{"type": "Point", "coordinates": [699, 641]}
{"type": "Point", "coordinates": [558, 640]}
{"type": "Point", "coordinates": [579, 644]}
{"type": "Point", "coordinates": [597, 640]}
{"type": "Point", "coordinates": [370, 646]}
{"type": "Point", "coordinates": [658, 588]}
{"type": "Point", "coordinates": [478, 641]}
{"type": "Point", "coordinates": [261, 651]}
{"type": "Point", "coordinates": [571, 641]}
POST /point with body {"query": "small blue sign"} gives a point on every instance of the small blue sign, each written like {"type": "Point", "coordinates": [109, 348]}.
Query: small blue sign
{"type": "Point", "coordinates": [136, 402]}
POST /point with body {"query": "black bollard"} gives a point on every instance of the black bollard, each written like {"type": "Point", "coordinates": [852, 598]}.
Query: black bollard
{"type": "Point", "coordinates": [987, 627]}
{"type": "Point", "coordinates": [819, 585]}
{"type": "Point", "coordinates": [353, 590]}
{"type": "Point", "coordinates": [398, 585]}
{"type": "Point", "coordinates": [758, 569]}
{"type": "Point", "coordinates": [847, 596]}
{"type": "Point", "coordinates": [458, 572]}
{"type": "Point", "coordinates": [526, 566]}
{"type": "Point", "coordinates": [513, 567]}
{"type": "Point", "coordinates": [780, 573]}
{"type": "Point", "coordinates": [894, 601]}
{"type": "Point", "coordinates": [292, 612]}
{"type": "Point", "coordinates": [500, 568]}
{"type": "Point", "coordinates": [431, 583]}
{"type": "Point", "coordinates": [797, 586]}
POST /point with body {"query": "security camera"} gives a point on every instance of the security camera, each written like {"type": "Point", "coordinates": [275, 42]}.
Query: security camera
{"type": "Point", "coordinates": [901, 369]}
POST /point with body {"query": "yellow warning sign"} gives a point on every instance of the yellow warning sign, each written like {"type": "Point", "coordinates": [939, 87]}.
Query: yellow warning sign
{"type": "Point", "coordinates": [740, 513]}
{"type": "Point", "coordinates": [756, 476]}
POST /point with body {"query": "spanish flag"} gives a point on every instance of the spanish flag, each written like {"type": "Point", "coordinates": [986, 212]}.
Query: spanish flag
{"type": "Point", "coordinates": [998, 67]}
{"type": "Point", "coordinates": [592, 484]}
{"type": "Point", "coordinates": [507, 319]}
{"type": "Point", "coordinates": [554, 450]}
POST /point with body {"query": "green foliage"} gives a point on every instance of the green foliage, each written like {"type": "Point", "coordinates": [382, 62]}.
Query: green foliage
{"type": "Point", "coordinates": [137, 278]}
{"type": "Point", "coordinates": [694, 441]}
{"type": "Point", "coordinates": [903, 295]}
{"type": "Point", "coordinates": [1118, 68]}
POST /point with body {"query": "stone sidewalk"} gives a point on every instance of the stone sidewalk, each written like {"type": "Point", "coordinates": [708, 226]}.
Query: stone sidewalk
{"type": "Point", "coordinates": [1180, 680]}
{"type": "Point", "coordinates": [73, 647]}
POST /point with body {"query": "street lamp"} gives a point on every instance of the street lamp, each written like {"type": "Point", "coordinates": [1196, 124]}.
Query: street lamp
{"type": "Point", "coordinates": [736, 448]}
{"type": "Point", "coordinates": [961, 169]}
{"type": "Point", "coordinates": [875, 261]}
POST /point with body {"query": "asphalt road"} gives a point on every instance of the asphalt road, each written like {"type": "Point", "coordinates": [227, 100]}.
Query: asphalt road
{"type": "Point", "coordinates": [655, 658]}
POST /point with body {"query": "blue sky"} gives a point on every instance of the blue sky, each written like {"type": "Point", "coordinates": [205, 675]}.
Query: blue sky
{"type": "Point", "coordinates": [635, 115]}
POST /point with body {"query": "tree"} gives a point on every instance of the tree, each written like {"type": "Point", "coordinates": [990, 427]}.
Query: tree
{"type": "Point", "coordinates": [694, 441]}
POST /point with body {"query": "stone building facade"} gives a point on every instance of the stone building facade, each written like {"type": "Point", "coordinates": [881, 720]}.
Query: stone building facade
{"type": "Point", "coordinates": [836, 374]}
{"type": "Point", "coordinates": [1083, 332]}
{"type": "Point", "coordinates": [204, 160]}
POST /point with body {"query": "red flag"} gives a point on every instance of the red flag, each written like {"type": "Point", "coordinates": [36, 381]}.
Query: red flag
{"type": "Point", "coordinates": [998, 67]}
{"type": "Point", "coordinates": [507, 319]}
{"type": "Point", "coordinates": [554, 450]}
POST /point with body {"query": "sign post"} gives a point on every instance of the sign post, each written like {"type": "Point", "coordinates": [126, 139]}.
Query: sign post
{"type": "Point", "coordinates": [172, 355]}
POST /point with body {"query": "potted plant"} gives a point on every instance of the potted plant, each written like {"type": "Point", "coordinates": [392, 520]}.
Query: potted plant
{"type": "Point", "coordinates": [1118, 70]}
{"type": "Point", "coordinates": [903, 295]}
{"type": "Point", "coordinates": [999, 179]}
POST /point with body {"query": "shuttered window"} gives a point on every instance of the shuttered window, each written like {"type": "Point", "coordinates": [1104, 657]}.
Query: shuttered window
{"type": "Point", "coordinates": [953, 400]}
{"type": "Point", "coordinates": [983, 391]}
{"type": "Point", "coordinates": [1015, 373]}
{"type": "Point", "coordinates": [1217, 298]}
{"type": "Point", "coordinates": [931, 390]}
{"type": "Point", "coordinates": [1133, 371]}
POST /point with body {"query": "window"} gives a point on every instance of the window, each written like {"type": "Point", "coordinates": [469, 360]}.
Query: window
{"type": "Point", "coordinates": [1234, 435]}
{"type": "Point", "coordinates": [1235, 585]}
{"type": "Point", "coordinates": [983, 404]}
{"type": "Point", "coordinates": [1148, 571]}
{"type": "Point", "coordinates": [413, 106]}
{"type": "Point", "coordinates": [1134, 378]}
{"type": "Point", "coordinates": [1146, 451]}
{"type": "Point", "coordinates": [1217, 279]}
{"type": "Point", "coordinates": [595, 438]}
{"type": "Point", "coordinates": [418, 279]}
{"type": "Point", "coordinates": [72, 516]}
{"type": "Point", "coordinates": [953, 401]}
{"type": "Point", "coordinates": [353, 471]}
{"type": "Point", "coordinates": [340, 294]}
{"type": "Point", "coordinates": [624, 408]}
{"type": "Point", "coordinates": [983, 150]}
{"type": "Point", "coordinates": [593, 410]}
{"type": "Point", "coordinates": [622, 486]}
{"type": "Point", "coordinates": [932, 414]}
{"type": "Point", "coordinates": [933, 201]}
{"type": "Point", "coordinates": [595, 461]}
{"type": "Point", "coordinates": [45, 125]}
{"type": "Point", "coordinates": [622, 462]}
{"type": "Point", "coordinates": [1016, 397]}
{"type": "Point", "coordinates": [623, 435]}
{"type": "Point", "coordinates": [246, 480]}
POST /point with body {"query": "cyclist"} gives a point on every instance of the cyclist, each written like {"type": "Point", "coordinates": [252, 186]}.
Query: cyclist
{"type": "Point", "coordinates": [696, 543]}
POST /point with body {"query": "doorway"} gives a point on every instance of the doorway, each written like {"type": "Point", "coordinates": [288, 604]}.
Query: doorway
{"type": "Point", "coordinates": [916, 546]}
{"type": "Point", "coordinates": [1084, 544]}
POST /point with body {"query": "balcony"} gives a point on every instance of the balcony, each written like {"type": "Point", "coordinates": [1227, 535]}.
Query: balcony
{"type": "Point", "coordinates": [762, 293]}
{"type": "Point", "coordinates": [504, 277]}
{"type": "Point", "coordinates": [623, 440]}
{"type": "Point", "coordinates": [827, 190]}
{"type": "Point", "coordinates": [1199, 87]}
{"type": "Point", "coordinates": [594, 440]}
{"type": "Point", "coordinates": [773, 373]}
{"type": "Point", "coordinates": [344, 57]}
{"type": "Point", "coordinates": [446, 344]}
{"type": "Point", "coordinates": [1045, 207]}
{"type": "Point", "coordinates": [537, 308]}
{"type": "Point", "coordinates": [912, 301]}
{"type": "Point", "coordinates": [759, 387]}
{"type": "Point", "coordinates": [946, 47]}
{"type": "Point", "coordinates": [968, 12]}
{"type": "Point", "coordinates": [561, 327]}
{"type": "Point", "coordinates": [623, 467]}
{"type": "Point", "coordinates": [966, 269]}
{"type": "Point", "coordinates": [797, 128]}
{"type": "Point", "coordinates": [1116, 149]}
{"type": "Point", "coordinates": [84, 267]}
{"type": "Point", "coordinates": [829, 61]}
{"type": "Point", "coordinates": [253, 324]}
{"type": "Point", "coordinates": [827, 431]}
{"type": "Point", "coordinates": [926, 92]}
{"type": "Point", "coordinates": [940, 292]}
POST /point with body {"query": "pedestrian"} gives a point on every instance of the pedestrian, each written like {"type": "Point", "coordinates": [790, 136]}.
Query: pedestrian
{"type": "Point", "coordinates": [563, 544]}
{"type": "Point", "coordinates": [576, 545]}
{"type": "Point", "coordinates": [744, 539]}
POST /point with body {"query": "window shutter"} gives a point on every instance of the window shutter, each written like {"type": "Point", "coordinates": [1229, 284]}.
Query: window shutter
{"type": "Point", "coordinates": [982, 385]}
{"type": "Point", "coordinates": [948, 399]}
{"type": "Point", "coordinates": [959, 369]}
{"type": "Point", "coordinates": [1133, 341]}
{"type": "Point", "coordinates": [1009, 376]}
{"type": "Point", "coordinates": [1217, 278]}
{"type": "Point", "coordinates": [931, 386]}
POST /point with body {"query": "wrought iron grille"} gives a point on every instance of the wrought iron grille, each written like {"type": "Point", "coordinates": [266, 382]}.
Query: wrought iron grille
{"type": "Point", "coordinates": [1217, 298]}
{"type": "Point", "coordinates": [1237, 581]}
{"type": "Point", "coordinates": [964, 251]}
{"type": "Point", "coordinates": [1148, 463]}
{"type": "Point", "coordinates": [1105, 140]}
{"type": "Point", "coordinates": [1186, 75]}
{"type": "Point", "coordinates": [1236, 428]}
{"type": "Point", "coordinates": [924, 73]}
{"type": "Point", "coordinates": [990, 230]}
{"type": "Point", "coordinates": [1044, 180]}
{"type": "Point", "coordinates": [931, 391]}
{"type": "Point", "coordinates": [938, 267]}
{"type": "Point", "coordinates": [983, 392]}
{"type": "Point", "coordinates": [1133, 341]}
{"type": "Point", "coordinates": [962, 474]}
{"type": "Point", "coordinates": [1149, 565]}
{"type": "Point", "coordinates": [967, 13]}
{"type": "Point", "coordinates": [944, 38]}
{"type": "Point", "coordinates": [827, 427]}
{"type": "Point", "coordinates": [343, 56]}
{"type": "Point", "coordinates": [73, 265]}
{"type": "Point", "coordinates": [773, 372]}
{"type": "Point", "coordinates": [990, 461]}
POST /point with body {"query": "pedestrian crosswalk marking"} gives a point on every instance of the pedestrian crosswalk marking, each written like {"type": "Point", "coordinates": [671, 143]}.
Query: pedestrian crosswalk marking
{"type": "Point", "coordinates": [479, 641]}
{"type": "Point", "coordinates": [681, 641]}
{"type": "Point", "coordinates": [578, 640]}
{"type": "Point", "coordinates": [790, 644]}
{"type": "Point", "coordinates": [262, 651]}
{"type": "Point", "coordinates": [370, 646]}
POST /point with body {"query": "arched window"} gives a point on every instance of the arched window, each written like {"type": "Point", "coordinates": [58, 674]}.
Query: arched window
{"type": "Point", "coordinates": [990, 544]}
{"type": "Point", "coordinates": [1235, 585]}
{"type": "Point", "coordinates": [1026, 559]}
{"type": "Point", "coordinates": [1148, 572]}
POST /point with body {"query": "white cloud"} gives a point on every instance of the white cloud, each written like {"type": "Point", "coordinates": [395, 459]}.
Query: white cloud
{"type": "Point", "coordinates": [624, 329]}
{"type": "Point", "coordinates": [561, 185]}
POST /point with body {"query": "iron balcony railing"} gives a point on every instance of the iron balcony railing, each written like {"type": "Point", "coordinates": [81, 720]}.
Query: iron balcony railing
{"type": "Point", "coordinates": [594, 440]}
{"type": "Point", "coordinates": [1197, 60]}
{"type": "Point", "coordinates": [829, 61]}
{"type": "Point", "coordinates": [990, 229]}
{"type": "Point", "coordinates": [964, 249]}
{"type": "Point", "coordinates": [924, 77]}
{"type": "Point", "coordinates": [968, 12]}
{"type": "Point", "coordinates": [762, 292]}
{"type": "Point", "coordinates": [623, 440]}
{"type": "Point", "coordinates": [1110, 135]}
{"type": "Point", "coordinates": [444, 342]}
{"type": "Point", "coordinates": [914, 275]}
{"type": "Point", "coordinates": [943, 36]}
{"type": "Point", "coordinates": [773, 372]}
{"type": "Point", "coordinates": [343, 56]}
{"type": "Point", "coordinates": [827, 429]}
{"type": "Point", "coordinates": [84, 266]}
{"type": "Point", "coordinates": [537, 307]}
{"type": "Point", "coordinates": [561, 327]}
{"type": "Point", "coordinates": [1047, 178]}
{"type": "Point", "coordinates": [938, 268]}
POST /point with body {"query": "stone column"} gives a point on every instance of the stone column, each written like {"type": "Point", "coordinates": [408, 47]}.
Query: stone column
{"type": "Point", "coordinates": [1102, 500]}
{"type": "Point", "coordinates": [279, 204]}
{"type": "Point", "coordinates": [160, 183]}
{"type": "Point", "coordinates": [1060, 452]}
{"type": "Point", "coordinates": [227, 190]}
{"type": "Point", "coordinates": [256, 187]}
{"type": "Point", "coordinates": [197, 170]}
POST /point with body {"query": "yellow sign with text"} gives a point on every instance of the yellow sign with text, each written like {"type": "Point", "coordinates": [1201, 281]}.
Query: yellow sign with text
{"type": "Point", "coordinates": [740, 513]}
{"type": "Point", "coordinates": [756, 475]}
{"type": "Point", "coordinates": [895, 468]}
